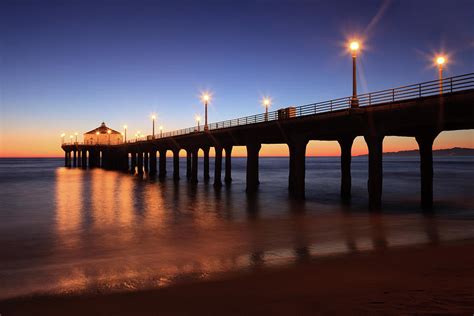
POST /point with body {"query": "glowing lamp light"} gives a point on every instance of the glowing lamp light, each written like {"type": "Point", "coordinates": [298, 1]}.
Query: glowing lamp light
{"type": "Point", "coordinates": [62, 135]}
{"type": "Point", "coordinates": [153, 117]}
{"type": "Point", "coordinates": [71, 137]}
{"type": "Point", "coordinates": [198, 118]}
{"type": "Point", "coordinates": [441, 60]}
{"type": "Point", "coordinates": [354, 46]}
{"type": "Point", "coordinates": [97, 133]}
{"type": "Point", "coordinates": [125, 127]}
{"type": "Point", "coordinates": [266, 102]}
{"type": "Point", "coordinates": [161, 128]}
{"type": "Point", "coordinates": [205, 97]}
{"type": "Point", "coordinates": [109, 131]}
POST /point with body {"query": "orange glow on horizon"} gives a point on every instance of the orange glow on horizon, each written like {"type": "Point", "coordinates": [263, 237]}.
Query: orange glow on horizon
{"type": "Point", "coordinates": [48, 146]}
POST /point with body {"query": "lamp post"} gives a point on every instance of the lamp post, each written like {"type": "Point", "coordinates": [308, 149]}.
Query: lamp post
{"type": "Point", "coordinates": [198, 119]}
{"type": "Point", "coordinates": [137, 135]}
{"type": "Point", "coordinates": [76, 136]}
{"type": "Point", "coordinates": [97, 138]}
{"type": "Point", "coordinates": [354, 47]}
{"type": "Point", "coordinates": [440, 61]}
{"type": "Point", "coordinates": [125, 132]}
{"type": "Point", "coordinates": [70, 138]}
{"type": "Point", "coordinates": [266, 103]}
{"type": "Point", "coordinates": [62, 138]}
{"type": "Point", "coordinates": [161, 131]}
{"type": "Point", "coordinates": [205, 97]}
{"type": "Point", "coordinates": [109, 132]}
{"type": "Point", "coordinates": [153, 118]}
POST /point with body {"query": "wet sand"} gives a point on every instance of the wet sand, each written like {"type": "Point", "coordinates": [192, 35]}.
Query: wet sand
{"type": "Point", "coordinates": [415, 280]}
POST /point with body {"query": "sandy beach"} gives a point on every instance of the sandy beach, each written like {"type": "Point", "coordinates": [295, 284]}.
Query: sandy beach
{"type": "Point", "coordinates": [416, 280]}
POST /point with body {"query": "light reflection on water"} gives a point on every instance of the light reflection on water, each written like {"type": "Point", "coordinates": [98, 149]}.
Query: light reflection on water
{"type": "Point", "coordinates": [70, 230]}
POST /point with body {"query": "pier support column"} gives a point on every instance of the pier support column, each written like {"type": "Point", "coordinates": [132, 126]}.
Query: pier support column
{"type": "Point", "coordinates": [194, 165]}
{"type": "Point", "coordinates": [140, 162]}
{"type": "Point", "coordinates": [84, 159]}
{"type": "Point", "coordinates": [153, 162]}
{"type": "Point", "coordinates": [133, 162]}
{"type": "Point", "coordinates": [176, 164]}
{"type": "Point", "coordinates": [69, 159]}
{"type": "Point", "coordinates": [228, 164]}
{"type": "Point", "coordinates": [162, 164]}
{"type": "Point", "coordinates": [425, 143]}
{"type": "Point", "coordinates": [375, 144]}
{"type": "Point", "coordinates": [346, 156]}
{"type": "Point", "coordinates": [218, 167]}
{"type": "Point", "coordinates": [188, 163]}
{"type": "Point", "coordinates": [94, 158]}
{"type": "Point", "coordinates": [79, 158]}
{"type": "Point", "coordinates": [252, 167]}
{"type": "Point", "coordinates": [206, 164]}
{"type": "Point", "coordinates": [296, 180]}
{"type": "Point", "coordinates": [74, 161]}
{"type": "Point", "coordinates": [146, 162]}
{"type": "Point", "coordinates": [90, 159]}
{"type": "Point", "coordinates": [66, 160]}
{"type": "Point", "coordinates": [105, 159]}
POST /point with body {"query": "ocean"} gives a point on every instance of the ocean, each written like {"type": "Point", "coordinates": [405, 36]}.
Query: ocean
{"type": "Point", "coordinates": [68, 230]}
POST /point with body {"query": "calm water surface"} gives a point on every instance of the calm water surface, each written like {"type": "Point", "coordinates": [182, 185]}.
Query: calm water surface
{"type": "Point", "coordinates": [70, 230]}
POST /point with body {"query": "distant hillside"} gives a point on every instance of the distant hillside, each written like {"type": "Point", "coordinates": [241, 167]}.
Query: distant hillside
{"type": "Point", "coordinates": [451, 152]}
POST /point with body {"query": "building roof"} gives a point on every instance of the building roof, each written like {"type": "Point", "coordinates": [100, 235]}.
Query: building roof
{"type": "Point", "coordinates": [102, 129]}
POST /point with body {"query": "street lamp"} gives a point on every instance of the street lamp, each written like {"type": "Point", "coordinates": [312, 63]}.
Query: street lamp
{"type": "Point", "coordinates": [153, 118]}
{"type": "Point", "coordinates": [76, 136]}
{"type": "Point", "coordinates": [125, 132]}
{"type": "Point", "coordinates": [440, 61]}
{"type": "Point", "coordinates": [198, 119]}
{"type": "Point", "coordinates": [205, 97]}
{"type": "Point", "coordinates": [137, 135]}
{"type": "Point", "coordinates": [266, 101]}
{"type": "Point", "coordinates": [70, 138]}
{"type": "Point", "coordinates": [109, 132]}
{"type": "Point", "coordinates": [62, 138]}
{"type": "Point", "coordinates": [354, 47]}
{"type": "Point", "coordinates": [161, 131]}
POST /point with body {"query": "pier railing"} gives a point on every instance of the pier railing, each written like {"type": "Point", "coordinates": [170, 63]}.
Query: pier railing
{"type": "Point", "coordinates": [410, 92]}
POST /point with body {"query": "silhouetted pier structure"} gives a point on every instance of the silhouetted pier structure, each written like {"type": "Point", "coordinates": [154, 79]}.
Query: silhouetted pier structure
{"type": "Point", "coordinates": [421, 111]}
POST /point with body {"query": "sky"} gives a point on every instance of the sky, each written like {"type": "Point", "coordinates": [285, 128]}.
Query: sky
{"type": "Point", "coordinates": [66, 66]}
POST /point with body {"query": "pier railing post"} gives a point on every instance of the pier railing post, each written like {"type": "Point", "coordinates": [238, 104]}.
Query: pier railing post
{"type": "Point", "coordinates": [346, 156]}
{"type": "Point", "coordinates": [252, 167]}
{"type": "Point", "coordinates": [218, 167]}
{"type": "Point", "coordinates": [228, 164]}
{"type": "Point", "coordinates": [374, 184]}
{"type": "Point", "coordinates": [425, 143]}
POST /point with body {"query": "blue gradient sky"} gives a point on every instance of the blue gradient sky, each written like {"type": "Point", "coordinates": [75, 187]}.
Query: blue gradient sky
{"type": "Point", "coordinates": [66, 66]}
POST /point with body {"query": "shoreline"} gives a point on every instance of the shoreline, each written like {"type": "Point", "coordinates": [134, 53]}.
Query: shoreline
{"type": "Point", "coordinates": [419, 279]}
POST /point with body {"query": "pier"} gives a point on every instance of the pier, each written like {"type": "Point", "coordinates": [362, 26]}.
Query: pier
{"type": "Point", "coordinates": [421, 110]}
